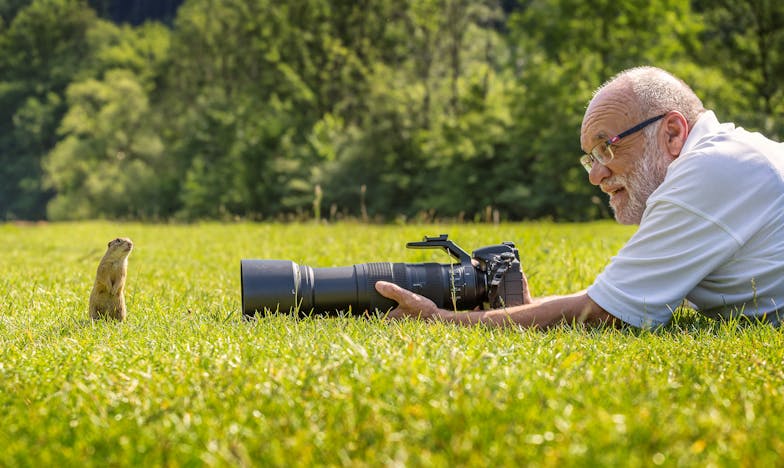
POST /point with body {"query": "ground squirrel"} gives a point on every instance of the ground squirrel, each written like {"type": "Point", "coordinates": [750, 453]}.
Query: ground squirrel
{"type": "Point", "coordinates": [106, 300]}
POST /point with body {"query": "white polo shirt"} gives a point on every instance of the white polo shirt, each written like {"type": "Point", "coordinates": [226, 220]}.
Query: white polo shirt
{"type": "Point", "coordinates": [712, 233]}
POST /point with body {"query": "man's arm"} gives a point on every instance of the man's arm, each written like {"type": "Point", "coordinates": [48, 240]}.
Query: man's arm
{"type": "Point", "coordinates": [544, 313]}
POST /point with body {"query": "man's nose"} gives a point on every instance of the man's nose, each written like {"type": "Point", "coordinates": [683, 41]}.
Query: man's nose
{"type": "Point", "coordinates": [598, 173]}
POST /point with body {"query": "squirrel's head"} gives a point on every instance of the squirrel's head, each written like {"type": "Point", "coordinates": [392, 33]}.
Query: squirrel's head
{"type": "Point", "coordinates": [120, 247]}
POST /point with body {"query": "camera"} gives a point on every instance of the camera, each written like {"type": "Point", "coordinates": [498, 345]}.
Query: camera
{"type": "Point", "coordinates": [490, 278]}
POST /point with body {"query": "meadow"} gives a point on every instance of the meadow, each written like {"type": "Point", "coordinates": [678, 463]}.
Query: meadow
{"type": "Point", "coordinates": [185, 381]}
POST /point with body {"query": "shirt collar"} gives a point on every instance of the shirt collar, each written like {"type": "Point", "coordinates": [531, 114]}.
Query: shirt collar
{"type": "Point", "coordinates": [706, 124]}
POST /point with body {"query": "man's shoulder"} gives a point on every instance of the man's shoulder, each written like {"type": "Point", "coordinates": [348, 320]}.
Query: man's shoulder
{"type": "Point", "coordinates": [731, 184]}
{"type": "Point", "coordinates": [733, 151]}
{"type": "Point", "coordinates": [732, 161]}
{"type": "Point", "coordinates": [701, 170]}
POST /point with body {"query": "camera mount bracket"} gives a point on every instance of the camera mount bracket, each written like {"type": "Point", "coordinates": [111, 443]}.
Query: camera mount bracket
{"type": "Point", "coordinates": [443, 242]}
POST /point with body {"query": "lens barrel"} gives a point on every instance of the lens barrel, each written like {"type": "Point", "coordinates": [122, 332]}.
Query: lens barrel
{"type": "Point", "coordinates": [284, 286]}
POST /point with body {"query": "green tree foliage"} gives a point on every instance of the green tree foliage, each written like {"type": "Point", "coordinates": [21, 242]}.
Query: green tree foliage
{"type": "Point", "coordinates": [110, 161]}
{"type": "Point", "coordinates": [251, 79]}
{"type": "Point", "coordinates": [9, 9]}
{"type": "Point", "coordinates": [747, 39]}
{"type": "Point", "coordinates": [42, 49]}
{"type": "Point", "coordinates": [424, 108]}
{"type": "Point", "coordinates": [380, 109]}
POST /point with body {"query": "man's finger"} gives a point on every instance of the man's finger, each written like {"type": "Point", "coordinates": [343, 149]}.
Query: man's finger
{"type": "Point", "coordinates": [409, 304]}
{"type": "Point", "coordinates": [527, 299]}
{"type": "Point", "coordinates": [390, 290]}
{"type": "Point", "coordinates": [394, 292]}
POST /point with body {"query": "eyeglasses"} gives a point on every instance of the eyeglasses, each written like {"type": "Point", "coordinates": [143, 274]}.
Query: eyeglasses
{"type": "Point", "coordinates": [602, 152]}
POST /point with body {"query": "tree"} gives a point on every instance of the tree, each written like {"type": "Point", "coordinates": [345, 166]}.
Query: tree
{"type": "Point", "coordinates": [41, 52]}
{"type": "Point", "coordinates": [109, 158]}
{"type": "Point", "coordinates": [413, 144]}
{"type": "Point", "coordinates": [9, 9]}
{"type": "Point", "coordinates": [110, 162]}
{"type": "Point", "coordinates": [747, 38]}
{"type": "Point", "coordinates": [249, 82]}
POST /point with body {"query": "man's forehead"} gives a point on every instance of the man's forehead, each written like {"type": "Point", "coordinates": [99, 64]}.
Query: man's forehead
{"type": "Point", "coordinates": [607, 113]}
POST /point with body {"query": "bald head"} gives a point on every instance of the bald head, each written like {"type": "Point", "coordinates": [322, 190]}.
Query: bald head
{"type": "Point", "coordinates": [649, 91]}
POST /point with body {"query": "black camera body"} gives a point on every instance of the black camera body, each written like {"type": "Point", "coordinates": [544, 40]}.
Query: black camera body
{"type": "Point", "coordinates": [491, 278]}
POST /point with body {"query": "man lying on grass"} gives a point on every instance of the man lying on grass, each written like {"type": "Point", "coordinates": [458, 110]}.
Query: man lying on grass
{"type": "Point", "coordinates": [709, 201]}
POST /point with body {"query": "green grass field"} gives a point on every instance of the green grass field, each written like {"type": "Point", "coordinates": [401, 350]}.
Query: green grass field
{"type": "Point", "coordinates": [186, 381]}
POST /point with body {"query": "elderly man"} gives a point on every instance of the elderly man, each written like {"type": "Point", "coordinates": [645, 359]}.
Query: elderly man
{"type": "Point", "coordinates": [709, 201]}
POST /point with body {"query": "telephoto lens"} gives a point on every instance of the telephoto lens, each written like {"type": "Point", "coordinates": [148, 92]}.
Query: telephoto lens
{"type": "Point", "coordinates": [491, 278]}
{"type": "Point", "coordinates": [284, 286]}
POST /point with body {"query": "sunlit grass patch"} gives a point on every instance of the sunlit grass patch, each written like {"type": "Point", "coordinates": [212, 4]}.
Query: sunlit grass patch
{"type": "Point", "coordinates": [187, 381]}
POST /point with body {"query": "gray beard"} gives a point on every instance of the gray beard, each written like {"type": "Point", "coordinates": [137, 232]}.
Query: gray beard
{"type": "Point", "coordinates": [645, 177]}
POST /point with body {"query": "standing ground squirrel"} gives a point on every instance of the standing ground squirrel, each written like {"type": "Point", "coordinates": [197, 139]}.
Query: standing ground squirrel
{"type": "Point", "coordinates": [106, 300]}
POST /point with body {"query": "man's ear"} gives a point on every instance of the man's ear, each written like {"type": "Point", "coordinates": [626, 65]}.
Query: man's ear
{"type": "Point", "coordinates": [676, 130]}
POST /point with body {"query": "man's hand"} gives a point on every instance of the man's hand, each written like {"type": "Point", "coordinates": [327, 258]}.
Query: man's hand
{"type": "Point", "coordinates": [408, 304]}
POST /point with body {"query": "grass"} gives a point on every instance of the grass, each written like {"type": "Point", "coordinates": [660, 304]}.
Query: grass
{"type": "Point", "coordinates": [186, 381]}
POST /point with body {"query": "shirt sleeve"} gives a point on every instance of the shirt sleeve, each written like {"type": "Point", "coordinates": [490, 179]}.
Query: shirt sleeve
{"type": "Point", "coordinates": [673, 251]}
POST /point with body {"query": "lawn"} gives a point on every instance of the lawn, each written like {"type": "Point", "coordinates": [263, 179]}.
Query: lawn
{"type": "Point", "coordinates": [186, 381]}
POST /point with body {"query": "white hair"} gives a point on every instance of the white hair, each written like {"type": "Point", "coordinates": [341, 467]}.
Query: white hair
{"type": "Point", "coordinates": [657, 91]}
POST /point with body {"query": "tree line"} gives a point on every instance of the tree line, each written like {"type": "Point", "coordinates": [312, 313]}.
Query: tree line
{"type": "Point", "coordinates": [374, 109]}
